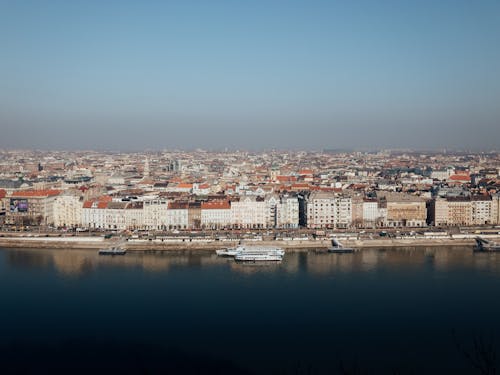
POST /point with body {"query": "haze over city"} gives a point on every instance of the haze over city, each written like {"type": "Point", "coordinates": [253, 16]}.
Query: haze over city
{"type": "Point", "coordinates": [120, 75]}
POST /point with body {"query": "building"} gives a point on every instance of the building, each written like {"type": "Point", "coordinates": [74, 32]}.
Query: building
{"type": "Point", "coordinates": [328, 210]}
{"type": "Point", "coordinates": [287, 212]}
{"type": "Point", "coordinates": [94, 214]}
{"type": "Point", "coordinates": [481, 210]}
{"type": "Point", "coordinates": [404, 210]}
{"type": "Point", "coordinates": [194, 215]}
{"type": "Point", "coordinates": [31, 207]}
{"type": "Point", "coordinates": [249, 212]}
{"type": "Point", "coordinates": [68, 210]}
{"type": "Point", "coordinates": [215, 215]}
{"type": "Point", "coordinates": [155, 213]}
{"type": "Point", "coordinates": [177, 215]}
{"type": "Point", "coordinates": [464, 211]}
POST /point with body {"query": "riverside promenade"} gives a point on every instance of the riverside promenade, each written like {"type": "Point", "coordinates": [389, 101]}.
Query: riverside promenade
{"type": "Point", "coordinates": [180, 244]}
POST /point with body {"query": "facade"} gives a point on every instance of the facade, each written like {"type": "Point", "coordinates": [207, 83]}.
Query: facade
{"type": "Point", "coordinates": [215, 215]}
{"type": "Point", "coordinates": [250, 212]}
{"type": "Point", "coordinates": [481, 210]}
{"type": "Point", "coordinates": [288, 212]}
{"type": "Point", "coordinates": [327, 210]}
{"type": "Point", "coordinates": [404, 210]}
{"type": "Point", "coordinates": [155, 213]}
{"type": "Point", "coordinates": [495, 209]}
{"type": "Point", "coordinates": [134, 215]}
{"type": "Point", "coordinates": [68, 210]}
{"type": "Point", "coordinates": [94, 213]}
{"type": "Point", "coordinates": [114, 218]}
{"type": "Point", "coordinates": [177, 216]}
{"type": "Point", "coordinates": [464, 211]}
{"type": "Point", "coordinates": [373, 214]}
{"type": "Point", "coordinates": [194, 215]}
{"type": "Point", "coordinates": [31, 207]}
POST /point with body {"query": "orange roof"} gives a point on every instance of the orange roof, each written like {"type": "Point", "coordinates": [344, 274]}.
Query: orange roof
{"type": "Point", "coordinates": [305, 172]}
{"type": "Point", "coordinates": [185, 186]}
{"type": "Point", "coordinates": [102, 204]}
{"type": "Point", "coordinates": [87, 204]}
{"type": "Point", "coordinates": [220, 205]}
{"type": "Point", "coordinates": [105, 198]}
{"type": "Point", "coordinates": [460, 177]}
{"type": "Point", "coordinates": [3, 193]}
{"type": "Point", "coordinates": [204, 186]}
{"type": "Point", "coordinates": [286, 178]}
{"type": "Point", "coordinates": [36, 193]}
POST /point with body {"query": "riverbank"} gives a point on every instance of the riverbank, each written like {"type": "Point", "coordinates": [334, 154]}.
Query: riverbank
{"type": "Point", "coordinates": [173, 244]}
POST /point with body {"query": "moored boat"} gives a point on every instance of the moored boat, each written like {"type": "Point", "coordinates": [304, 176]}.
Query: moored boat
{"type": "Point", "coordinates": [232, 252]}
{"type": "Point", "coordinates": [254, 256]}
{"type": "Point", "coordinates": [113, 250]}
{"type": "Point", "coordinates": [485, 245]}
{"type": "Point", "coordinates": [338, 248]}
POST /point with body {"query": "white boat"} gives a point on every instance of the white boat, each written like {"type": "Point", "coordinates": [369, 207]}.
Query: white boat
{"type": "Point", "coordinates": [233, 252]}
{"type": "Point", "coordinates": [113, 250]}
{"type": "Point", "coordinates": [337, 247]}
{"type": "Point", "coordinates": [254, 256]}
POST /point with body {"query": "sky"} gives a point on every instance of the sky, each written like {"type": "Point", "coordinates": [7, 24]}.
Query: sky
{"type": "Point", "coordinates": [260, 74]}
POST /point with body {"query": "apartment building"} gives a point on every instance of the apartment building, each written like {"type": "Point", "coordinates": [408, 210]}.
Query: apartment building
{"type": "Point", "coordinates": [328, 210]}
{"type": "Point", "coordinates": [215, 214]}
{"type": "Point", "coordinates": [68, 210]}
{"type": "Point", "coordinates": [31, 207]}
{"type": "Point", "coordinates": [404, 210]}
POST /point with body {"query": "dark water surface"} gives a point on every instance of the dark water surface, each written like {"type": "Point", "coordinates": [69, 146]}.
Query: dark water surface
{"type": "Point", "coordinates": [414, 311]}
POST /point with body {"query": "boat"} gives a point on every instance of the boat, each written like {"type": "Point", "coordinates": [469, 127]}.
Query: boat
{"type": "Point", "coordinates": [229, 252]}
{"type": "Point", "coordinates": [113, 250]}
{"type": "Point", "coordinates": [485, 245]}
{"type": "Point", "coordinates": [232, 252]}
{"type": "Point", "coordinates": [259, 255]}
{"type": "Point", "coordinates": [338, 248]}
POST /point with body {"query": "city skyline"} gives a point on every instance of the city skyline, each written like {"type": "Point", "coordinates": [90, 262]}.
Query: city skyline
{"type": "Point", "coordinates": [270, 75]}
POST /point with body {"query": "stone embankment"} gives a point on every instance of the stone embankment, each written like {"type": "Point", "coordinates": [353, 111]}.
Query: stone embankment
{"type": "Point", "coordinates": [178, 244]}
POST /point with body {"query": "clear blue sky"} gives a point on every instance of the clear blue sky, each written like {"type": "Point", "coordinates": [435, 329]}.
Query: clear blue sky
{"type": "Point", "coordinates": [249, 74]}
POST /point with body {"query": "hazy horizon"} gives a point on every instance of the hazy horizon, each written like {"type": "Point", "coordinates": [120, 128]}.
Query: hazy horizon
{"type": "Point", "coordinates": [129, 76]}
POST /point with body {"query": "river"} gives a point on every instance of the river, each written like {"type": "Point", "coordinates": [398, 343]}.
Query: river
{"type": "Point", "coordinates": [403, 310]}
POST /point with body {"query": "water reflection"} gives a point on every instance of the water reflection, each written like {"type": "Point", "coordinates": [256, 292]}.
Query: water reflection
{"type": "Point", "coordinates": [81, 262]}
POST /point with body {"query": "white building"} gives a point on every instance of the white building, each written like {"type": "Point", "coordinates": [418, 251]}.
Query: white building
{"type": "Point", "coordinates": [216, 214]}
{"type": "Point", "coordinates": [177, 215]}
{"type": "Point", "coordinates": [67, 210]}
{"type": "Point", "coordinates": [155, 213]}
{"type": "Point", "coordinates": [288, 212]}
{"type": "Point", "coordinates": [94, 214]}
{"type": "Point", "coordinates": [481, 210]}
{"type": "Point", "coordinates": [249, 212]}
{"type": "Point", "coordinates": [327, 210]}
{"type": "Point", "coordinates": [115, 216]}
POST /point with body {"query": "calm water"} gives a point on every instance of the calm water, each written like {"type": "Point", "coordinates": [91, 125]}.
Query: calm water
{"type": "Point", "coordinates": [376, 311]}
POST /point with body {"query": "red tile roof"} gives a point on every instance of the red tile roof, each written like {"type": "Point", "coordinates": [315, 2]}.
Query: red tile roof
{"type": "Point", "coordinates": [87, 204]}
{"type": "Point", "coordinates": [304, 172]}
{"type": "Point", "coordinates": [36, 193]}
{"type": "Point", "coordinates": [286, 178]}
{"type": "Point", "coordinates": [221, 205]}
{"type": "Point", "coordinates": [3, 193]}
{"type": "Point", "coordinates": [102, 204]}
{"type": "Point", "coordinates": [460, 177]}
